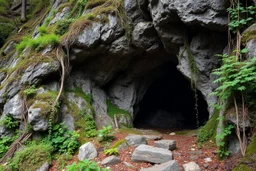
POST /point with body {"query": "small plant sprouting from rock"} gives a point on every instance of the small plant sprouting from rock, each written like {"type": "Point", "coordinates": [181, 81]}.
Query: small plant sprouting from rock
{"type": "Point", "coordinates": [222, 151]}
{"type": "Point", "coordinates": [9, 122]}
{"type": "Point", "coordinates": [30, 91]}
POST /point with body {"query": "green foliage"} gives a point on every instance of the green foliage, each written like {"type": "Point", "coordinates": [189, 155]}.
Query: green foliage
{"type": "Point", "coordinates": [222, 151]}
{"type": "Point", "coordinates": [42, 30]}
{"type": "Point", "coordinates": [31, 158]}
{"type": "Point", "coordinates": [2, 168]}
{"type": "Point", "coordinates": [85, 165]}
{"type": "Point", "coordinates": [241, 17]}
{"type": "Point", "coordinates": [5, 142]}
{"type": "Point", "coordinates": [62, 26]}
{"type": "Point", "coordinates": [78, 8]}
{"type": "Point", "coordinates": [38, 43]}
{"type": "Point", "coordinates": [90, 126]}
{"type": "Point", "coordinates": [30, 91]}
{"type": "Point", "coordinates": [208, 131]}
{"type": "Point", "coordinates": [62, 161]}
{"type": "Point", "coordinates": [235, 76]}
{"type": "Point", "coordinates": [113, 109]}
{"type": "Point", "coordinates": [111, 151]}
{"type": "Point", "coordinates": [9, 122]}
{"type": "Point", "coordinates": [105, 134]}
{"type": "Point", "coordinates": [63, 140]}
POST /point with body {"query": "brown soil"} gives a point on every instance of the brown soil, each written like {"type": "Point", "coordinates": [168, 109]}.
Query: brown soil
{"type": "Point", "coordinates": [186, 151]}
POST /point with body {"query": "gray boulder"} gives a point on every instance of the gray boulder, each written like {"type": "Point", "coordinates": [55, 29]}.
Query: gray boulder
{"type": "Point", "coordinates": [111, 160]}
{"type": "Point", "coordinates": [191, 166]}
{"type": "Point", "coordinates": [146, 153]}
{"type": "Point", "coordinates": [166, 144]}
{"type": "Point", "coordinates": [36, 119]}
{"type": "Point", "coordinates": [87, 151]}
{"type": "Point", "coordinates": [44, 167]}
{"type": "Point", "coordinates": [168, 166]}
{"type": "Point", "coordinates": [14, 107]}
{"type": "Point", "coordinates": [135, 140]}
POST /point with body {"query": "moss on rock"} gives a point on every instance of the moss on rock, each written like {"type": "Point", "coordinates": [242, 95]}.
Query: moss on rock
{"type": "Point", "coordinates": [208, 131]}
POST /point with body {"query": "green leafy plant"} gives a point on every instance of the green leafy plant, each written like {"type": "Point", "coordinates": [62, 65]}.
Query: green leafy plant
{"type": "Point", "coordinates": [241, 17]}
{"type": "Point", "coordinates": [63, 140]}
{"type": "Point", "coordinates": [236, 78]}
{"type": "Point", "coordinates": [85, 165]}
{"type": "Point", "coordinates": [105, 134]}
{"type": "Point", "coordinates": [62, 160]}
{"type": "Point", "coordinates": [111, 151]}
{"type": "Point", "coordinates": [90, 126]}
{"type": "Point", "coordinates": [62, 26]}
{"type": "Point", "coordinates": [5, 142]}
{"type": "Point", "coordinates": [9, 122]}
{"type": "Point", "coordinates": [30, 91]}
{"type": "Point", "coordinates": [222, 151]}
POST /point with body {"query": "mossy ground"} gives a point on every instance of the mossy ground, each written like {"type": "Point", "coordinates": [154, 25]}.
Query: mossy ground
{"type": "Point", "coordinates": [31, 158]}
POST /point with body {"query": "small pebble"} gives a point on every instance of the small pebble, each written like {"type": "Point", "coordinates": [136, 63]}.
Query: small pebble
{"type": "Point", "coordinates": [173, 133]}
{"type": "Point", "coordinates": [208, 159]}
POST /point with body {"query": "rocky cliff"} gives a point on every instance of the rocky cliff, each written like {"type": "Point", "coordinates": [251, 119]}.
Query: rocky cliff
{"type": "Point", "coordinates": [108, 53]}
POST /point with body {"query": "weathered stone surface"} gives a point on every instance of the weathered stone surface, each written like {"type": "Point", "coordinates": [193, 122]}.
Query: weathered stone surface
{"type": "Point", "coordinates": [135, 140]}
{"type": "Point", "coordinates": [145, 36]}
{"type": "Point", "coordinates": [111, 160]}
{"type": "Point", "coordinates": [124, 120]}
{"type": "Point", "coordinates": [233, 145]}
{"type": "Point", "coordinates": [87, 151]}
{"type": "Point", "coordinates": [251, 48]}
{"type": "Point", "coordinates": [153, 137]}
{"type": "Point", "coordinates": [9, 47]}
{"type": "Point", "coordinates": [36, 119]}
{"type": "Point", "coordinates": [60, 15]}
{"type": "Point", "coordinates": [168, 166]}
{"type": "Point", "coordinates": [90, 37]}
{"type": "Point", "coordinates": [166, 144]}
{"type": "Point", "coordinates": [203, 56]}
{"type": "Point", "coordinates": [69, 122]}
{"type": "Point", "coordinates": [14, 107]}
{"type": "Point", "coordinates": [100, 107]}
{"type": "Point", "coordinates": [44, 167]}
{"type": "Point", "coordinates": [191, 166]}
{"type": "Point", "coordinates": [146, 153]}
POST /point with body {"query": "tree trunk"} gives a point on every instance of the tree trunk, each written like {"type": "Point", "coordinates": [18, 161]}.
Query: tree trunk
{"type": "Point", "coordinates": [23, 10]}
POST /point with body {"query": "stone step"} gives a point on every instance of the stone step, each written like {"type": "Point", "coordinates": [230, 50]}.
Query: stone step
{"type": "Point", "coordinates": [146, 153]}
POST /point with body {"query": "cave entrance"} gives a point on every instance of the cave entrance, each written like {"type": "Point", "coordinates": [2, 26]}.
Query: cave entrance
{"type": "Point", "coordinates": [169, 103]}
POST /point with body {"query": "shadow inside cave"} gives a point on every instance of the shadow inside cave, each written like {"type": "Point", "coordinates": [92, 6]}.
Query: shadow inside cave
{"type": "Point", "coordinates": [169, 103]}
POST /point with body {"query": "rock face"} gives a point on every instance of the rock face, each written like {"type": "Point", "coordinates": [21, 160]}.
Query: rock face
{"type": "Point", "coordinates": [151, 154]}
{"type": "Point", "coordinates": [168, 166]}
{"type": "Point", "coordinates": [87, 151]}
{"type": "Point", "coordinates": [135, 140]}
{"type": "Point", "coordinates": [118, 60]}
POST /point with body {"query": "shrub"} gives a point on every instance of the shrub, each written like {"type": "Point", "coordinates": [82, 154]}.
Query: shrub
{"type": "Point", "coordinates": [63, 140]}
{"type": "Point", "coordinates": [105, 134]}
{"type": "Point", "coordinates": [30, 91]}
{"type": "Point", "coordinates": [5, 142]}
{"type": "Point", "coordinates": [90, 126]}
{"type": "Point", "coordinates": [84, 166]}
{"type": "Point", "coordinates": [31, 158]}
{"type": "Point", "coordinates": [62, 161]}
{"type": "Point", "coordinates": [42, 30]}
{"type": "Point", "coordinates": [62, 26]}
{"type": "Point", "coordinates": [9, 122]}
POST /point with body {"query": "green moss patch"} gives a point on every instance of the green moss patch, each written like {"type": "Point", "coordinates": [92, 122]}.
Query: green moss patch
{"type": "Point", "coordinates": [31, 158]}
{"type": "Point", "coordinates": [208, 131]}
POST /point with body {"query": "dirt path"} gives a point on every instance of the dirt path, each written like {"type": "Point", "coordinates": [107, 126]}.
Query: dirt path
{"type": "Point", "coordinates": [186, 151]}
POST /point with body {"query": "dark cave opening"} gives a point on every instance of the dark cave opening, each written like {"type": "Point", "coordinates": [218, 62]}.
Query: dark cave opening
{"type": "Point", "coordinates": [169, 103]}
